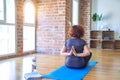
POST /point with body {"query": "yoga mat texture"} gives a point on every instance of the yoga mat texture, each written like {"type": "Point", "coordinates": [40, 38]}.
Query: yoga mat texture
{"type": "Point", "coordinates": [65, 73]}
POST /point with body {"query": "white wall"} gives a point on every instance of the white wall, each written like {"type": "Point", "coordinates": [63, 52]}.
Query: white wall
{"type": "Point", "coordinates": [110, 9]}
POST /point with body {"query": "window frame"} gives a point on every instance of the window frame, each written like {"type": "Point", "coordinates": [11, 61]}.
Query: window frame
{"type": "Point", "coordinates": [4, 22]}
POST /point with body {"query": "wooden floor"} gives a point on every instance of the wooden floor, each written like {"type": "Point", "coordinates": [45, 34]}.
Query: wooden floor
{"type": "Point", "coordinates": [107, 68]}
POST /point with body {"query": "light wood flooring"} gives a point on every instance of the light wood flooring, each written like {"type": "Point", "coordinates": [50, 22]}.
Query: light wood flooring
{"type": "Point", "coordinates": [107, 68]}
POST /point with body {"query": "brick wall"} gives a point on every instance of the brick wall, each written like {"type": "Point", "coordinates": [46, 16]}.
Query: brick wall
{"type": "Point", "coordinates": [51, 25]}
{"type": "Point", "coordinates": [84, 17]}
{"type": "Point", "coordinates": [68, 16]}
{"type": "Point", "coordinates": [53, 17]}
{"type": "Point", "coordinates": [19, 26]}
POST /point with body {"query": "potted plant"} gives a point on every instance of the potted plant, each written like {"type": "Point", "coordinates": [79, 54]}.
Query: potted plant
{"type": "Point", "coordinates": [97, 18]}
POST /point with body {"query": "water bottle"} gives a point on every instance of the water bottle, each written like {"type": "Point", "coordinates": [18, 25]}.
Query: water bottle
{"type": "Point", "coordinates": [34, 64]}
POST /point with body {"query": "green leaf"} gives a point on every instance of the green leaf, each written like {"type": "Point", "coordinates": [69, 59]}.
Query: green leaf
{"type": "Point", "coordinates": [96, 17]}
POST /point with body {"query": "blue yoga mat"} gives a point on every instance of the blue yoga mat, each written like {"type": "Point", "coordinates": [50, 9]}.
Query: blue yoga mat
{"type": "Point", "coordinates": [65, 73]}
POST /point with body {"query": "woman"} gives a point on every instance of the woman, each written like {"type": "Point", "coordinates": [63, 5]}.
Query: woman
{"type": "Point", "coordinates": [76, 49]}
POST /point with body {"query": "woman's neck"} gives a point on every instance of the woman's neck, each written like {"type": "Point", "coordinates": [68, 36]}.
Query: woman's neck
{"type": "Point", "coordinates": [73, 37]}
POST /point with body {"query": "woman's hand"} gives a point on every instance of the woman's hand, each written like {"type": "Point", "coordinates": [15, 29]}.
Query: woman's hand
{"type": "Point", "coordinates": [70, 53]}
{"type": "Point", "coordinates": [73, 50]}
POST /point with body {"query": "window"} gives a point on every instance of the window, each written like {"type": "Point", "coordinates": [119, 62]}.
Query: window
{"type": "Point", "coordinates": [75, 12]}
{"type": "Point", "coordinates": [7, 27]}
{"type": "Point", "coordinates": [29, 38]}
{"type": "Point", "coordinates": [7, 39]}
{"type": "Point", "coordinates": [10, 11]}
{"type": "Point", "coordinates": [29, 13]}
{"type": "Point", "coordinates": [2, 10]}
{"type": "Point", "coordinates": [29, 27]}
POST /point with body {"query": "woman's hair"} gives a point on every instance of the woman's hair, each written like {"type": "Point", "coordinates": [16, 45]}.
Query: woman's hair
{"type": "Point", "coordinates": [76, 31]}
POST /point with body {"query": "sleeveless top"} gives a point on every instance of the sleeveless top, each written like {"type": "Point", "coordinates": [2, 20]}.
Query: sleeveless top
{"type": "Point", "coordinates": [75, 61]}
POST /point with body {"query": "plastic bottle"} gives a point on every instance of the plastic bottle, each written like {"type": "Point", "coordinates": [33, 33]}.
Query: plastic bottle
{"type": "Point", "coordinates": [34, 64]}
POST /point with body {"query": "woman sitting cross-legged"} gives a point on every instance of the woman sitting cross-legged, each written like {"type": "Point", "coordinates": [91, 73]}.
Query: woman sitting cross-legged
{"type": "Point", "coordinates": [76, 49]}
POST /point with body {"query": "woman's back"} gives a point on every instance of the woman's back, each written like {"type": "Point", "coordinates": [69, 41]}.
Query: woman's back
{"type": "Point", "coordinates": [74, 61]}
{"type": "Point", "coordinates": [77, 43]}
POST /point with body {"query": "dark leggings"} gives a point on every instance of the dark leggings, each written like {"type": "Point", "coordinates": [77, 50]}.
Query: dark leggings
{"type": "Point", "coordinates": [77, 62]}
{"type": "Point", "coordinates": [87, 58]}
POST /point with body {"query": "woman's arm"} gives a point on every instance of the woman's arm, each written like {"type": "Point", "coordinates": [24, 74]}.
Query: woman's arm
{"type": "Point", "coordinates": [64, 51]}
{"type": "Point", "coordinates": [85, 53]}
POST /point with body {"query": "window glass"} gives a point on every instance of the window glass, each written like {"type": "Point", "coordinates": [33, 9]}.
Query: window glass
{"type": "Point", "coordinates": [29, 13]}
{"type": "Point", "coordinates": [29, 38]}
{"type": "Point", "coordinates": [1, 10]}
{"type": "Point", "coordinates": [7, 39]}
{"type": "Point", "coordinates": [10, 11]}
